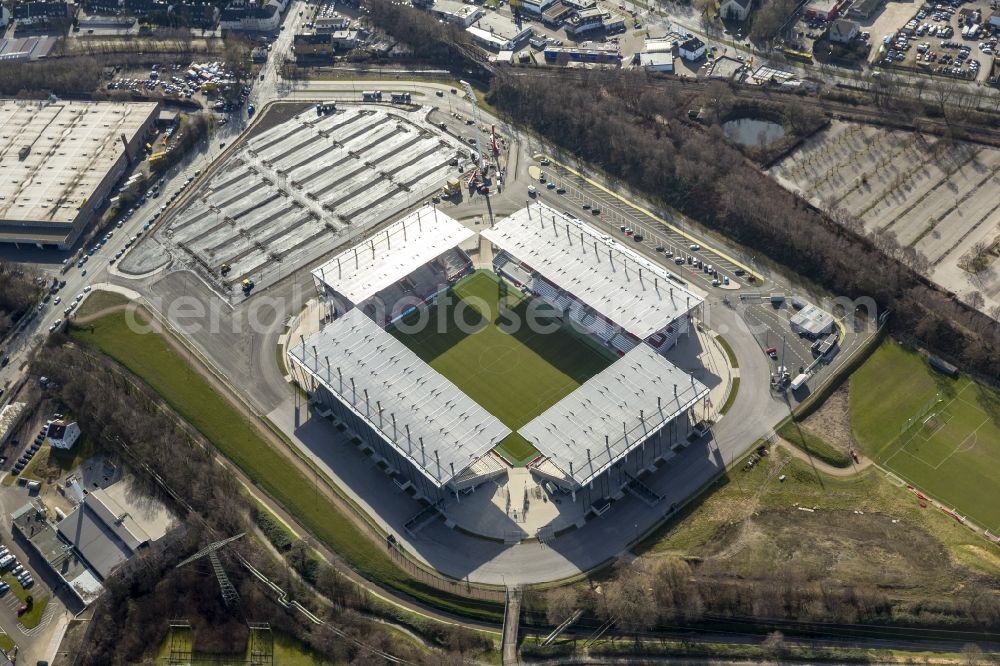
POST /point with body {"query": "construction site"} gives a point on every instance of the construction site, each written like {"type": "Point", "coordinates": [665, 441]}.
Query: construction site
{"type": "Point", "coordinates": [296, 191]}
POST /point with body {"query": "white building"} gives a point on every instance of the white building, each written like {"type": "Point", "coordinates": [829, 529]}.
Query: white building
{"type": "Point", "coordinates": [735, 10]}
{"type": "Point", "coordinates": [457, 12]}
{"type": "Point", "coordinates": [657, 61]}
{"type": "Point", "coordinates": [693, 49]}
{"type": "Point", "coordinates": [250, 18]}
{"type": "Point", "coordinates": [843, 31]}
{"type": "Point", "coordinates": [62, 435]}
{"type": "Point", "coordinates": [536, 6]}
{"type": "Point", "coordinates": [499, 33]}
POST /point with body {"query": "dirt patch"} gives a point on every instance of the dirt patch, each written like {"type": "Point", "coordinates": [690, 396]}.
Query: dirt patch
{"type": "Point", "coordinates": [836, 546]}
{"type": "Point", "coordinates": [832, 421]}
{"type": "Point", "coordinates": [275, 115]}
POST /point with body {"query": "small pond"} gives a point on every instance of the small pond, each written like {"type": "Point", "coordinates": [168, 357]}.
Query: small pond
{"type": "Point", "coordinates": [753, 131]}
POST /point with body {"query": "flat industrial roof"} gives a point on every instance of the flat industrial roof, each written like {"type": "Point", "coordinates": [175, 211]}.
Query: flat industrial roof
{"type": "Point", "coordinates": [613, 412]}
{"type": "Point", "coordinates": [393, 253]}
{"type": "Point", "coordinates": [72, 145]}
{"type": "Point", "coordinates": [812, 319]}
{"type": "Point", "coordinates": [422, 415]}
{"type": "Point", "coordinates": [617, 282]}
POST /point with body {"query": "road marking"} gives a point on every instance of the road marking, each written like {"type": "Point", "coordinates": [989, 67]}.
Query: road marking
{"type": "Point", "coordinates": [656, 218]}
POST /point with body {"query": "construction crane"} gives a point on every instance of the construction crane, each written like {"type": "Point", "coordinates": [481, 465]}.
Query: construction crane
{"type": "Point", "coordinates": [229, 594]}
{"type": "Point", "coordinates": [471, 96]}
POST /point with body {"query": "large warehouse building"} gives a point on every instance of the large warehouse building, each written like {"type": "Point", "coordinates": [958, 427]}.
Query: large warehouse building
{"type": "Point", "coordinates": [595, 444]}
{"type": "Point", "coordinates": [59, 161]}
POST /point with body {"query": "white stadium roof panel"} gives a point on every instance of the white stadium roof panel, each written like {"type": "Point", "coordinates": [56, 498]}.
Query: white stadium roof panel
{"type": "Point", "coordinates": [425, 417]}
{"type": "Point", "coordinates": [619, 283]}
{"type": "Point", "coordinates": [613, 412]}
{"type": "Point", "coordinates": [391, 254]}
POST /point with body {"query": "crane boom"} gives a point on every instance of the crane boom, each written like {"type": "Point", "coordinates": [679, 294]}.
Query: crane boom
{"type": "Point", "coordinates": [471, 96]}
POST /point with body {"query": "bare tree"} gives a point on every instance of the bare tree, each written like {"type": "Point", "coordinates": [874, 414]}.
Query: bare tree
{"type": "Point", "coordinates": [560, 604]}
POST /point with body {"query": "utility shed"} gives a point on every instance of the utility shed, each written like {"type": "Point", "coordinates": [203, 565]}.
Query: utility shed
{"type": "Point", "coordinates": [812, 322]}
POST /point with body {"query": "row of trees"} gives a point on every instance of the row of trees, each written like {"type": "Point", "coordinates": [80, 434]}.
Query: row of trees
{"type": "Point", "coordinates": [19, 292]}
{"type": "Point", "coordinates": [638, 134]}
{"type": "Point", "coordinates": [669, 592]}
{"type": "Point", "coordinates": [130, 618]}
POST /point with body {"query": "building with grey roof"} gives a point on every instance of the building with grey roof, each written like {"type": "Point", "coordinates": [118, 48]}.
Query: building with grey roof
{"type": "Point", "coordinates": [603, 436]}
{"type": "Point", "coordinates": [431, 435]}
{"type": "Point", "coordinates": [112, 524]}
{"type": "Point", "coordinates": [59, 162]}
{"type": "Point", "coordinates": [811, 321]}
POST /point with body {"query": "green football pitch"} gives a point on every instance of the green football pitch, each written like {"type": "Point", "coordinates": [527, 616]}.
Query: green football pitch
{"type": "Point", "coordinates": [514, 375]}
{"type": "Point", "coordinates": [942, 435]}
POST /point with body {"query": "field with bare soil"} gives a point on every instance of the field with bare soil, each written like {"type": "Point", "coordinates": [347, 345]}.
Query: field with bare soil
{"type": "Point", "coordinates": [931, 194]}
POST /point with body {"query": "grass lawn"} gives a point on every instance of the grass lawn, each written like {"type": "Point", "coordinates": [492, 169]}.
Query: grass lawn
{"type": "Point", "coordinates": [287, 651]}
{"type": "Point", "coordinates": [514, 376]}
{"type": "Point", "coordinates": [6, 643]}
{"type": "Point", "coordinates": [152, 360]}
{"type": "Point", "coordinates": [938, 433]}
{"type": "Point", "coordinates": [813, 445]}
{"type": "Point", "coordinates": [99, 300]}
{"type": "Point", "coordinates": [751, 519]}
{"type": "Point", "coordinates": [30, 619]}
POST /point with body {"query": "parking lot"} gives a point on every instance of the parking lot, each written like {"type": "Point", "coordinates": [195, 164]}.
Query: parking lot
{"type": "Point", "coordinates": [296, 191]}
{"type": "Point", "coordinates": [702, 267]}
{"type": "Point", "coordinates": [929, 194]}
{"type": "Point", "coordinates": [952, 39]}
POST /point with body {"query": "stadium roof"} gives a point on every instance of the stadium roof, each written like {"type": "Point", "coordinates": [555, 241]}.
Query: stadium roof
{"type": "Point", "coordinates": [425, 417]}
{"type": "Point", "coordinates": [620, 284]}
{"type": "Point", "coordinates": [612, 413]}
{"type": "Point", "coordinates": [391, 254]}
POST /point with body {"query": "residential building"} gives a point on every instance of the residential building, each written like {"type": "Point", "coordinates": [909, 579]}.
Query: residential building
{"type": "Point", "coordinates": [843, 31]}
{"type": "Point", "coordinates": [735, 10]}
{"type": "Point", "coordinates": [692, 49]}
{"type": "Point", "coordinates": [312, 46]}
{"type": "Point", "coordinates": [331, 23]}
{"type": "Point", "coordinates": [62, 434]}
{"type": "Point", "coordinates": [35, 10]}
{"type": "Point", "coordinates": [242, 17]}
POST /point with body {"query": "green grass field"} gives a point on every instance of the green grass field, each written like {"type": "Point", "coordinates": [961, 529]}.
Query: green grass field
{"type": "Point", "coordinates": [514, 376]}
{"type": "Point", "coordinates": [940, 434]}
{"type": "Point", "coordinates": [150, 358]}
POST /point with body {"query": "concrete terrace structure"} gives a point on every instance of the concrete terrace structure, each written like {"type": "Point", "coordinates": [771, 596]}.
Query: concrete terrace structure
{"type": "Point", "coordinates": [60, 161]}
{"type": "Point", "coordinates": [572, 263]}
{"type": "Point", "coordinates": [429, 433]}
{"type": "Point", "coordinates": [615, 427]}
{"type": "Point", "coordinates": [298, 190]}
{"type": "Point", "coordinates": [376, 266]}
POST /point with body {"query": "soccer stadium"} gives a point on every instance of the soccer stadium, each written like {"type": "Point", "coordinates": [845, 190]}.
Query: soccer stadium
{"type": "Point", "coordinates": [542, 358]}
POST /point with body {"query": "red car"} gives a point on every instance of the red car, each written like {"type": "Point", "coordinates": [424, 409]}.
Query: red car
{"type": "Point", "coordinates": [772, 352]}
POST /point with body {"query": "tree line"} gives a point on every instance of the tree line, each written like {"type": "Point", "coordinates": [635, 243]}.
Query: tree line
{"type": "Point", "coordinates": [19, 292]}
{"type": "Point", "coordinates": [639, 135]}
